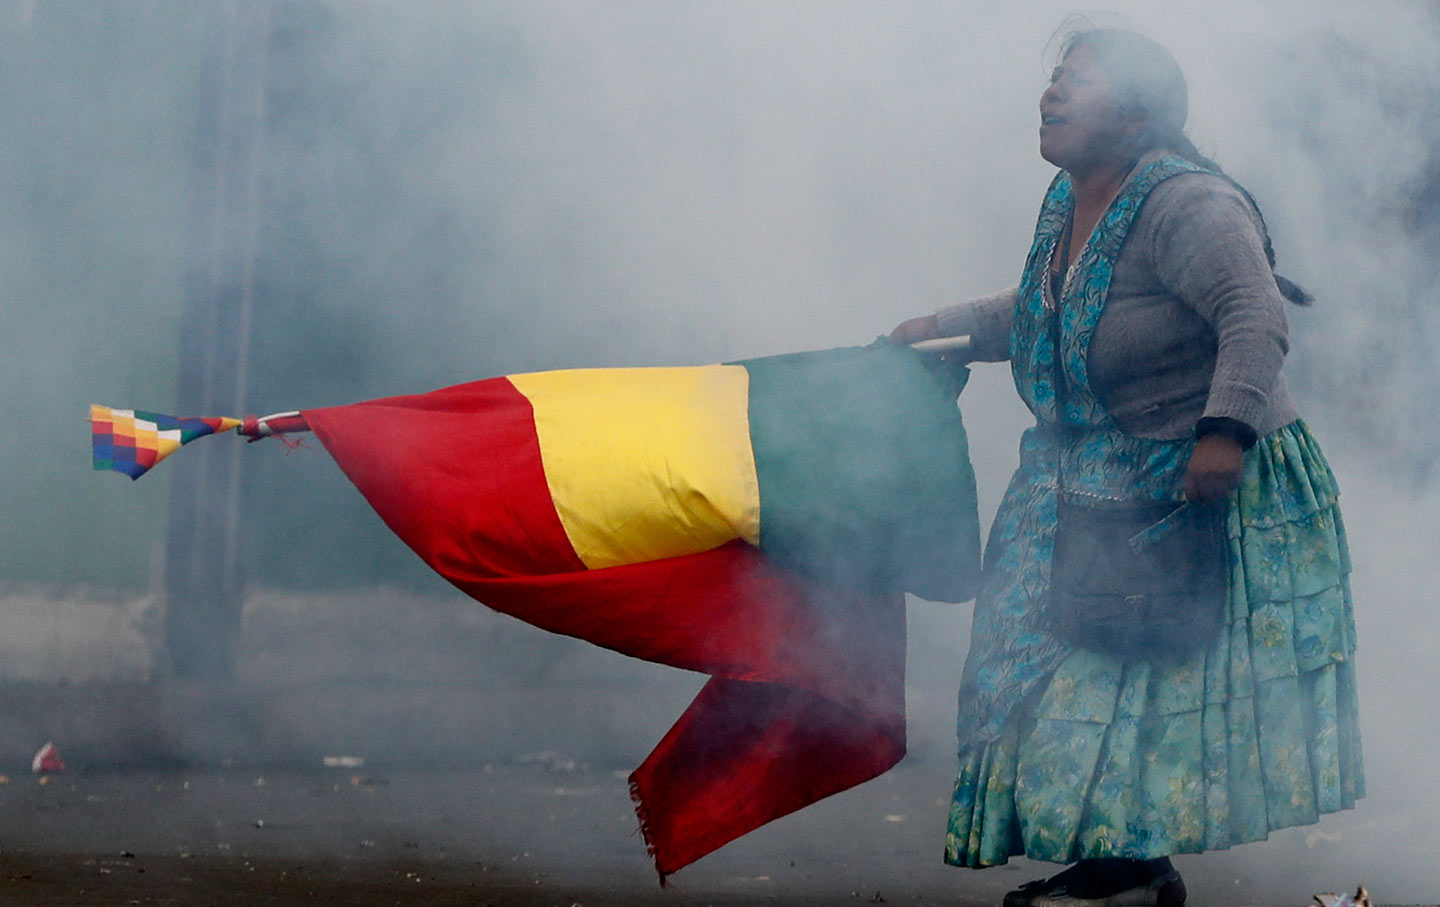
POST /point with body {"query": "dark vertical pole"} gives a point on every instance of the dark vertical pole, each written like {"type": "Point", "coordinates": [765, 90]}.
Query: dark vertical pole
{"type": "Point", "coordinates": [204, 585]}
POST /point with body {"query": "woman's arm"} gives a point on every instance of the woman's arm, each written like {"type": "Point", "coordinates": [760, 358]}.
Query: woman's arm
{"type": "Point", "coordinates": [985, 320]}
{"type": "Point", "coordinates": [1208, 250]}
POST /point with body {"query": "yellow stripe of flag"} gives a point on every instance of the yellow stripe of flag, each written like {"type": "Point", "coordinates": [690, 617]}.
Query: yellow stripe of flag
{"type": "Point", "coordinates": [647, 463]}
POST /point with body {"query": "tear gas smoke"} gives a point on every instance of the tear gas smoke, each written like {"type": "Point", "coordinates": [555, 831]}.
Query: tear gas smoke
{"type": "Point", "coordinates": [455, 191]}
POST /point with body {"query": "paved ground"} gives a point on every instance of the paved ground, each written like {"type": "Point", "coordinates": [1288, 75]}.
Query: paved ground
{"type": "Point", "coordinates": [542, 831]}
{"type": "Point", "coordinates": [412, 680]}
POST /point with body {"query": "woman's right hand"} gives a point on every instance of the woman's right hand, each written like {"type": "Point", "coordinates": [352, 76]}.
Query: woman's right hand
{"type": "Point", "coordinates": [913, 330]}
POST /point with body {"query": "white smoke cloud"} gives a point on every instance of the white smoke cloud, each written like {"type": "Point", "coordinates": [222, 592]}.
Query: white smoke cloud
{"type": "Point", "coordinates": [655, 183]}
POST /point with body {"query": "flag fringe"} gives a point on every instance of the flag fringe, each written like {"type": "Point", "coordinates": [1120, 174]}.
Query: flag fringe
{"type": "Point", "coordinates": [642, 812]}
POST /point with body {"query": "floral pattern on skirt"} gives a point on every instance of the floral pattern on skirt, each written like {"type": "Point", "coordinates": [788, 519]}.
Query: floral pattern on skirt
{"type": "Point", "coordinates": [1146, 758]}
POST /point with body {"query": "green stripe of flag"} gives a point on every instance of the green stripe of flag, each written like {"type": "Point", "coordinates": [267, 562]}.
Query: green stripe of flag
{"type": "Point", "coordinates": [864, 470]}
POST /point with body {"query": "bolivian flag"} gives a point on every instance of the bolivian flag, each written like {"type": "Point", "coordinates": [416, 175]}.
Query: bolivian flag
{"type": "Point", "coordinates": [848, 466]}
{"type": "Point", "coordinates": [755, 521]}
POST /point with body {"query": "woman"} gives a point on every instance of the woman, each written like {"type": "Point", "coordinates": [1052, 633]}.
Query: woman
{"type": "Point", "coordinates": [1148, 304]}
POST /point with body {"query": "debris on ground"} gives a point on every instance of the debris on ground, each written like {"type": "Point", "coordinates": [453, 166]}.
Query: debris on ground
{"type": "Point", "coordinates": [1361, 898]}
{"type": "Point", "coordinates": [344, 761]}
{"type": "Point", "coordinates": [367, 782]}
{"type": "Point", "coordinates": [550, 760]}
{"type": "Point", "coordinates": [47, 760]}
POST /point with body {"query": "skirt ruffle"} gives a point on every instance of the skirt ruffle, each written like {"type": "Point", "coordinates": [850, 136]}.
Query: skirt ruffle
{"type": "Point", "coordinates": [1146, 758]}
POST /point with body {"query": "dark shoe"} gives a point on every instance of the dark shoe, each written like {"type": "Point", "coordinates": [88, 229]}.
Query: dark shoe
{"type": "Point", "coordinates": [1081, 886]}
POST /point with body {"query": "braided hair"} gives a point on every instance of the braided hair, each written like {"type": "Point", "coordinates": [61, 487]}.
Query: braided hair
{"type": "Point", "coordinates": [1148, 82]}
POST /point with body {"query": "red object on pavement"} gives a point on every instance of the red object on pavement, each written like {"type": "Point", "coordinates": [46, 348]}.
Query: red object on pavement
{"type": "Point", "coordinates": [47, 761]}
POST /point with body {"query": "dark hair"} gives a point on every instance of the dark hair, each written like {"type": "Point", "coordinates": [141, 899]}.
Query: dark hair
{"type": "Point", "coordinates": [1148, 82]}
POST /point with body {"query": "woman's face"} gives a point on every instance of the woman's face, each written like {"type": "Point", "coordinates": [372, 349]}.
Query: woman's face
{"type": "Point", "coordinates": [1082, 128]}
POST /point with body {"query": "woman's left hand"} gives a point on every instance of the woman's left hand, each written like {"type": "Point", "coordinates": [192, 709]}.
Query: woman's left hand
{"type": "Point", "coordinates": [1214, 470]}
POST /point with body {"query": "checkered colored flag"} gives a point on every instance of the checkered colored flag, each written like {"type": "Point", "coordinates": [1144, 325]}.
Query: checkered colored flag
{"type": "Point", "coordinates": [132, 440]}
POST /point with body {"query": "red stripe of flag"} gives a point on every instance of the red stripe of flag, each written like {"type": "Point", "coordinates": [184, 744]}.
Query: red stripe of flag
{"type": "Point", "coordinates": [806, 697]}
{"type": "Point", "coordinates": [457, 474]}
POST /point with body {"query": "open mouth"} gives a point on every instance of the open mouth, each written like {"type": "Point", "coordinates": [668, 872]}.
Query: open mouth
{"type": "Point", "coordinates": [1050, 119]}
